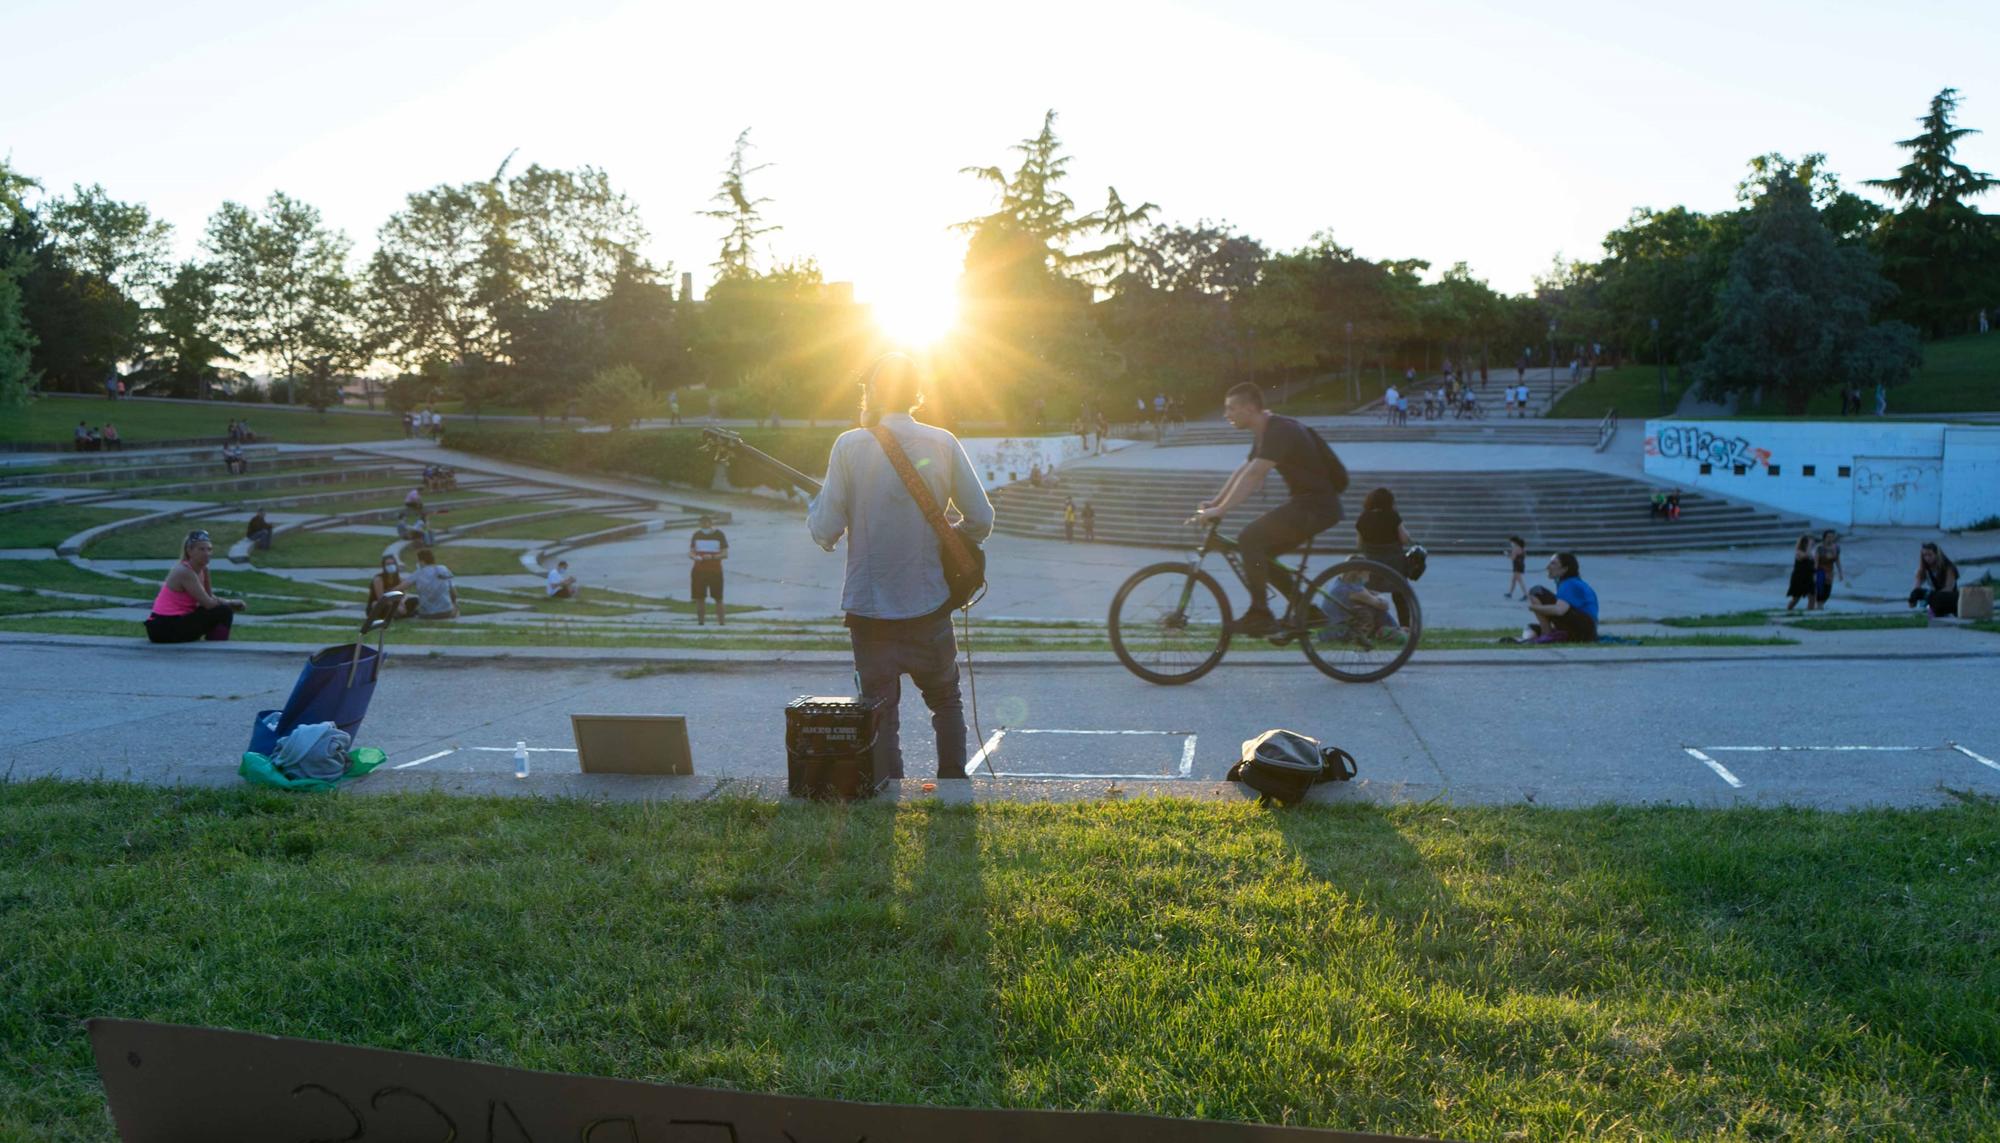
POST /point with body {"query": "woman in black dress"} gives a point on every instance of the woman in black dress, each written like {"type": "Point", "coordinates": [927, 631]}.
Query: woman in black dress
{"type": "Point", "coordinates": [1383, 539]}
{"type": "Point", "coordinates": [1801, 586]}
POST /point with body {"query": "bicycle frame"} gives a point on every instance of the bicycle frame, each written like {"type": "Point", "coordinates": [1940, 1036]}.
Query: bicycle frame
{"type": "Point", "coordinates": [1289, 582]}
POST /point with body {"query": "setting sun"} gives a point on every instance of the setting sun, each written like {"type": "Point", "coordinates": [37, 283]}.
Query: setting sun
{"type": "Point", "coordinates": [918, 316]}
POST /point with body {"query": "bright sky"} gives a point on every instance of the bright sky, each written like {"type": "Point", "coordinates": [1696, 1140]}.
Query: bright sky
{"type": "Point", "coordinates": [1439, 129]}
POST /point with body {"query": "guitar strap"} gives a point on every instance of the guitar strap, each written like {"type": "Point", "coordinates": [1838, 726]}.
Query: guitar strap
{"type": "Point", "coordinates": [948, 537]}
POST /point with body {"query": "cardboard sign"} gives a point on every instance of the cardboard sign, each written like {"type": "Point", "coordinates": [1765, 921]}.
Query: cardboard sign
{"type": "Point", "coordinates": [174, 1084]}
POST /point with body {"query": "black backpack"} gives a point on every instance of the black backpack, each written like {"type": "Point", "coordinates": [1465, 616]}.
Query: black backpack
{"type": "Point", "coordinates": [1336, 472]}
{"type": "Point", "coordinates": [1282, 765]}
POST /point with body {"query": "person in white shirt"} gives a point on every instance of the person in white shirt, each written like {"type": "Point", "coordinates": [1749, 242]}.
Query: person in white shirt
{"type": "Point", "coordinates": [562, 585]}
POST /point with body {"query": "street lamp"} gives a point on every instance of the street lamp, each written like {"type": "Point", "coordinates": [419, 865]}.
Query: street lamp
{"type": "Point", "coordinates": [1353, 382]}
{"type": "Point", "coordinates": [1552, 354]}
{"type": "Point", "coordinates": [1661, 364]}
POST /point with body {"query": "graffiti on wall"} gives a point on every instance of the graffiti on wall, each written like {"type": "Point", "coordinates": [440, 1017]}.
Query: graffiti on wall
{"type": "Point", "coordinates": [1692, 442]}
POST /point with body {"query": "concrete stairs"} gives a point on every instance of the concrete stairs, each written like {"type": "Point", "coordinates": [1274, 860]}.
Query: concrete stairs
{"type": "Point", "coordinates": [1491, 430]}
{"type": "Point", "coordinates": [1447, 512]}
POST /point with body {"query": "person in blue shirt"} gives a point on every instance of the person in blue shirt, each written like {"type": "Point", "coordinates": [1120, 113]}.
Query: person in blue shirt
{"type": "Point", "coordinates": [1569, 614]}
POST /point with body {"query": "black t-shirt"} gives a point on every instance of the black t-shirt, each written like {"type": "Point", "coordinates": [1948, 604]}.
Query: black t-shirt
{"type": "Point", "coordinates": [1379, 526]}
{"type": "Point", "coordinates": [708, 565]}
{"type": "Point", "coordinates": [1290, 445]}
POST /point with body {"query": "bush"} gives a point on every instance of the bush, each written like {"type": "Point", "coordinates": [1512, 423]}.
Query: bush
{"type": "Point", "coordinates": [674, 456]}
{"type": "Point", "coordinates": [616, 396]}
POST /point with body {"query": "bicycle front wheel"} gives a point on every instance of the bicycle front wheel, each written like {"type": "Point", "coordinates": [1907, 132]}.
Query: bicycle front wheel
{"type": "Point", "coordinates": [1169, 624]}
{"type": "Point", "coordinates": [1363, 621]}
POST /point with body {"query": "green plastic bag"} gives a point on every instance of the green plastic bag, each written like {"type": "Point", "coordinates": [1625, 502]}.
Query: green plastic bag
{"type": "Point", "coordinates": [258, 770]}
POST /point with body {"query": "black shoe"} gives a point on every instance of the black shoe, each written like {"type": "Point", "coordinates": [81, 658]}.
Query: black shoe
{"type": "Point", "coordinates": [1256, 622]}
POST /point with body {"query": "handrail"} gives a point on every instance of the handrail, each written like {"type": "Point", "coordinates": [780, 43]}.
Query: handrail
{"type": "Point", "coordinates": [1606, 429]}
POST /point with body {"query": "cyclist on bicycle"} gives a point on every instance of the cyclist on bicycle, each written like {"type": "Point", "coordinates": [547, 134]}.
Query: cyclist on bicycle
{"type": "Point", "coordinates": [1313, 507]}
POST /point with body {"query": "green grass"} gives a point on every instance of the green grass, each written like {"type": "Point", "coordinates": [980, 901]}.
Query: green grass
{"type": "Point", "coordinates": [322, 550]}
{"type": "Point", "coordinates": [53, 419]}
{"type": "Point", "coordinates": [161, 539]}
{"type": "Point", "coordinates": [1959, 375]}
{"type": "Point", "coordinates": [1634, 390]}
{"type": "Point", "coordinates": [1724, 619]}
{"type": "Point", "coordinates": [61, 575]}
{"type": "Point", "coordinates": [32, 602]}
{"type": "Point", "coordinates": [1859, 622]}
{"type": "Point", "coordinates": [473, 561]}
{"type": "Point", "coordinates": [554, 527]}
{"type": "Point", "coordinates": [48, 526]}
{"type": "Point", "coordinates": [1448, 972]}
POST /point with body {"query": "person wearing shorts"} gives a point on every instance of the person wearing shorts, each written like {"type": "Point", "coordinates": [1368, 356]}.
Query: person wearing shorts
{"type": "Point", "coordinates": [1826, 568]}
{"type": "Point", "coordinates": [707, 548]}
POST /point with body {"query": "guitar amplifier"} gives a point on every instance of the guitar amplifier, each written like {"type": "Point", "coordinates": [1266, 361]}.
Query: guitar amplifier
{"type": "Point", "coordinates": [833, 747]}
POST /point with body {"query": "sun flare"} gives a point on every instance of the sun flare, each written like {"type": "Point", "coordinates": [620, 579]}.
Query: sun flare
{"type": "Point", "coordinates": [917, 317]}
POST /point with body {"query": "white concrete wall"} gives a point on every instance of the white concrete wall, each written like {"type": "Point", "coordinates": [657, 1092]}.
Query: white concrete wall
{"type": "Point", "coordinates": [1911, 473]}
{"type": "Point", "coordinates": [994, 458]}
{"type": "Point", "coordinates": [1971, 476]}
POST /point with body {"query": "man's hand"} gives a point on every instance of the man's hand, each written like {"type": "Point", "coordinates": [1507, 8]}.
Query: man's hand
{"type": "Point", "coordinates": [235, 604]}
{"type": "Point", "coordinates": [1206, 513]}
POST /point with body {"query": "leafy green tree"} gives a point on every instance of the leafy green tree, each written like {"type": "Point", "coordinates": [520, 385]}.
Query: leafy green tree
{"type": "Point", "coordinates": [566, 234]}
{"type": "Point", "coordinates": [743, 212]}
{"type": "Point", "coordinates": [428, 281]}
{"type": "Point", "coordinates": [644, 327]}
{"type": "Point", "coordinates": [84, 325]}
{"type": "Point", "coordinates": [1940, 250]}
{"type": "Point", "coordinates": [1176, 318]}
{"type": "Point", "coordinates": [17, 343]}
{"type": "Point", "coordinates": [1795, 313]}
{"type": "Point", "coordinates": [282, 290]}
{"type": "Point", "coordinates": [118, 242]}
{"type": "Point", "coordinates": [617, 396]}
{"type": "Point", "coordinates": [554, 349]}
{"type": "Point", "coordinates": [180, 351]}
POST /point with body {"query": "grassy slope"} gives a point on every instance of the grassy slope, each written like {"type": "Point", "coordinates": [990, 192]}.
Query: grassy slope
{"type": "Point", "coordinates": [1453, 972]}
{"type": "Point", "coordinates": [48, 526]}
{"type": "Point", "coordinates": [53, 420]}
{"type": "Point", "coordinates": [1634, 391]}
{"type": "Point", "coordinates": [1959, 375]}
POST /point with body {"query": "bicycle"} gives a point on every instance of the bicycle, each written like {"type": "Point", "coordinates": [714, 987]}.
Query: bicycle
{"type": "Point", "coordinates": [1170, 622]}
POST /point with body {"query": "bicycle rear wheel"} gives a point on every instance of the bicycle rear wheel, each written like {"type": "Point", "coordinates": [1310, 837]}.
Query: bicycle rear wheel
{"type": "Point", "coordinates": [1169, 624]}
{"type": "Point", "coordinates": [1348, 636]}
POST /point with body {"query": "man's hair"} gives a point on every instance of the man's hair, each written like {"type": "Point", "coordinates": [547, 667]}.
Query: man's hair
{"type": "Point", "coordinates": [1246, 391]}
{"type": "Point", "coordinates": [561, 564]}
{"type": "Point", "coordinates": [893, 384]}
{"type": "Point", "coordinates": [706, 519]}
{"type": "Point", "coordinates": [1569, 565]}
{"type": "Point", "coordinates": [1517, 541]}
{"type": "Point", "coordinates": [1379, 498]}
{"type": "Point", "coordinates": [426, 556]}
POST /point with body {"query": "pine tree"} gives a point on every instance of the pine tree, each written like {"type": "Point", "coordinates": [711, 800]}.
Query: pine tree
{"type": "Point", "coordinates": [743, 213]}
{"type": "Point", "coordinates": [1939, 250]}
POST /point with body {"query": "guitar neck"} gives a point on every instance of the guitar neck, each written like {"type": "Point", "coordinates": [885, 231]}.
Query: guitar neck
{"type": "Point", "coordinates": [799, 480]}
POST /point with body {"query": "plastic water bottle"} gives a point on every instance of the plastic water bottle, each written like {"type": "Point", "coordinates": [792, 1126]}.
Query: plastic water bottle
{"type": "Point", "coordinates": [520, 759]}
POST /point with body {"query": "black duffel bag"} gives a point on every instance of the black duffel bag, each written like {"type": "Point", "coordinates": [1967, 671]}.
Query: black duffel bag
{"type": "Point", "coordinates": [1282, 765]}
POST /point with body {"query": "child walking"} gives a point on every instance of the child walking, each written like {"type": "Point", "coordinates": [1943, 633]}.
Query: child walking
{"type": "Point", "coordinates": [1517, 553]}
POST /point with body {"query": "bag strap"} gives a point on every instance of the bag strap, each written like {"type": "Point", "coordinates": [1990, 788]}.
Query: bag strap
{"type": "Point", "coordinates": [948, 537]}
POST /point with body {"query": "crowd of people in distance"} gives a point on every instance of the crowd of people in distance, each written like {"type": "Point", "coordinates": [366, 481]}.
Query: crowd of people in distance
{"type": "Point", "coordinates": [428, 423]}
{"type": "Point", "coordinates": [94, 438]}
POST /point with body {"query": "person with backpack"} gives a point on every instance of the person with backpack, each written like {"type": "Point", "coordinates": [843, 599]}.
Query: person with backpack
{"type": "Point", "coordinates": [1313, 476]}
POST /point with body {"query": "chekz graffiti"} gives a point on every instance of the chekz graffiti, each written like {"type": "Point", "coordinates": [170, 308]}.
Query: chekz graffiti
{"type": "Point", "coordinates": [1692, 442]}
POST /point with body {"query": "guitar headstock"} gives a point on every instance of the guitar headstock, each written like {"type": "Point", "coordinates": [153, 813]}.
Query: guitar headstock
{"type": "Point", "coordinates": [722, 444]}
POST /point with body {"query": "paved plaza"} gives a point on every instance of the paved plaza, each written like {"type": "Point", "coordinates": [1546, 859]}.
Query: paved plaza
{"type": "Point", "coordinates": [1844, 718]}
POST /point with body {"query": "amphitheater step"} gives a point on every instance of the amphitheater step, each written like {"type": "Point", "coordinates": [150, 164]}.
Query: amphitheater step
{"type": "Point", "coordinates": [1446, 511]}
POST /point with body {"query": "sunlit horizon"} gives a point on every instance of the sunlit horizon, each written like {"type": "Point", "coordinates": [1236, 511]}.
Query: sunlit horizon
{"type": "Point", "coordinates": [1443, 131]}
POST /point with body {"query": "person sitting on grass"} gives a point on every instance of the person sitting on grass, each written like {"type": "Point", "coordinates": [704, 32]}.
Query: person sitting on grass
{"type": "Point", "coordinates": [562, 585]}
{"type": "Point", "coordinates": [111, 438]}
{"type": "Point", "coordinates": [389, 579]}
{"type": "Point", "coordinates": [232, 459]}
{"type": "Point", "coordinates": [437, 595]}
{"type": "Point", "coordinates": [1937, 582]}
{"type": "Point", "coordinates": [415, 524]}
{"type": "Point", "coordinates": [186, 609]}
{"type": "Point", "coordinates": [1569, 613]}
{"type": "Point", "coordinates": [83, 436]}
{"type": "Point", "coordinates": [1358, 615]}
{"type": "Point", "coordinates": [258, 531]}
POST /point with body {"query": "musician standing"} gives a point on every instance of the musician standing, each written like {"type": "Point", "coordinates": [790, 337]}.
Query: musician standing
{"type": "Point", "coordinates": [708, 547]}
{"type": "Point", "coordinates": [894, 593]}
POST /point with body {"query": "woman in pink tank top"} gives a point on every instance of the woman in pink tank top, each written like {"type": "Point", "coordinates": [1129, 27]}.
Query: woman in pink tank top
{"type": "Point", "coordinates": [185, 609]}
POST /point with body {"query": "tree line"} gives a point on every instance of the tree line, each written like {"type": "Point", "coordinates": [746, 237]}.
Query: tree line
{"type": "Point", "coordinates": [528, 289]}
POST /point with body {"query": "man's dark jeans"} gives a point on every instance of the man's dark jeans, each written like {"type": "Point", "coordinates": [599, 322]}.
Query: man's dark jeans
{"type": "Point", "coordinates": [887, 649]}
{"type": "Point", "coordinates": [1276, 532]}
